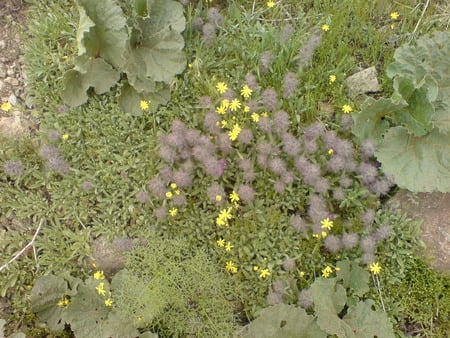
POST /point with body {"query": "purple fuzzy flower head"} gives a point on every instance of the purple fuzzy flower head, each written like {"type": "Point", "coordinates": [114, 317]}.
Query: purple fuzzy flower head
{"type": "Point", "coordinates": [157, 187]}
{"type": "Point", "coordinates": [214, 167]}
{"type": "Point", "coordinates": [211, 122]}
{"type": "Point", "coordinates": [160, 213]}
{"type": "Point", "coordinates": [166, 173]}
{"type": "Point", "coordinates": [47, 151]}
{"type": "Point", "coordinates": [313, 131]}
{"type": "Point", "coordinates": [383, 232]}
{"type": "Point", "coordinates": [368, 258]}
{"type": "Point", "coordinates": [270, 99]}
{"type": "Point", "coordinates": [289, 264]}
{"type": "Point", "coordinates": [246, 193]}
{"type": "Point", "coordinates": [245, 136]}
{"type": "Point", "coordinates": [317, 209]}
{"type": "Point", "coordinates": [13, 168]}
{"type": "Point", "coordinates": [350, 240]}
{"type": "Point", "coordinates": [87, 186]}
{"type": "Point", "coordinates": [291, 145]}
{"type": "Point", "coordinates": [249, 176]}
{"type": "Point", "coordinates": [290, 84]}
{"type": "Point", "coordinates": [245, 164]}
{"type": "Point", "coordinates": [280, 121]}
{"type": "Point", "coordinates": [344, 148]}
{"type": "Point", "coordinates": [311, 173]}
{"type": "Point", "coordinates": [182, 178]}
{"type": "Point", "coordinates": [277, 165]}
{"type": "Point", "coordinates": [179, 200]}
{"type": "Point", "coordinates": [335, 164]}
{"type": "Point", "coordinates": [368, 217]}
{"type": "Point", "coordinates": [345, 181]}
{"type": "Point", "coordinates": [224, 143]}
{"type": "Point", "coordinates": [305, 299]}
{"type": "Point", "coordinates": [262, 160]}
{"type": "Point", "coordinates": [368, 149]}
{"type": "Point", "coordinates": [306, 52]}
{"type": "Point", "coordinates": [58, 164]}
{"type": "Point", "coordinates": [216, 194]}
{"type": "Point", "coordinates": [209, 33]}
{"type": "Point", "coordinates": [266, 60]}
{"type": "Point", "coordinates": [265, 124]}
{"type": "Point", "coordinates": [214, 16]}
{"type": "Point", "coordinates": [279, 186]}
{"type": "Point", "coordinates": [168, 154]}
{"type": "Point", "coordinates": [54, 135]}
{"type": "Point", "coordinates": [298, 223]}
{"type": "Point", "coordinates": [288, 177]}
{"type": "Point", "coordinates": [338, 194]}
{"type": "Point", "coordinates": [332, 243]}
{"type": "Point", "coordinates": [206, 102]}
{"type": "Point", "coordinates": [274, 298]}
{"type": "Point", "coordinates": [142, 196]}
{"type": "Point", "coordinates": [368, 244]}
{"type": "Point", "coordinates": [264, 147]}
{"type": "Point", "coordinates": [321, 185]}
{"type": "Point", "coordinates": [286, 32]}
{"type": "Point", "coordinates": [310, 146]}
{"type": "Point", "coordinates": [346, 121]}
{"type": "Point", "coordinates": [251, 81]}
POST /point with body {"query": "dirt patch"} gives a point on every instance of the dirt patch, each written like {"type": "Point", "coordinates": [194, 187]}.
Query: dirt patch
{"type": "Point", "coordinates": [434, 210]}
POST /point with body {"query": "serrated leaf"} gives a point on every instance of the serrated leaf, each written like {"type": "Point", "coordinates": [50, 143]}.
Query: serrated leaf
{"type": "Point", "coordinates": [371, 122]}
{"type": "Point", "coordinates": [329, 300]}
{"type": "Point", "coordinates": [92, 73]}
{"type": "Point", "coordinates": [84, 26]}
{"type": "Point", "coordinates": [281, 321]}
{"type": "Point", "coordinates": [130, 99]}
{"type": "Point", "coordinates": [366, 322]}
{"type": "Point", "coordinates": [353, 277]}
{"type": "Point", "coordinates": [417, 163]}
{"type": "Point", "coordinates": [108, 37]}
{"type": "Point", "coordinates": [159, 54]}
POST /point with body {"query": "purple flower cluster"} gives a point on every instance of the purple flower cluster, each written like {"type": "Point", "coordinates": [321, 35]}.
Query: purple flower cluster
{"type": "Point", "coordinates": [54, 159]}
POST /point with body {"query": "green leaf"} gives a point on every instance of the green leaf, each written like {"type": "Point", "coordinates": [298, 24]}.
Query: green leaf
{"type": "Point", "coordinates": [45, 295]}
{"type": "Point", "coordinates": [159, 54]}
{"type": "Point", "coordinates": [130, 99]}
{"type": "Point", "coordinates": [416, 115]}
{"type": "Point", "coordinates": [366, 322]}
{"type": "Point", "coordinates": [353, 277]}
{"type": "Point", "coordinates": [281, 321]}
{"type": "Point", "coordinates": [86, 312]}
{"type": "Point", "coordinates": [89, 73]}
{"type": "Point", "coordinates": [108, 37]}
{"type": "Point", "coordinates": [417, 163]}
{"type": "Point", "coordinates": [329, 300]}
{"type": "Point", "coordinates": [84, 26]}
{"type": "Point", "coordinates": [142, 6]}
{"type": "Point", "coordinates": [371, 123]}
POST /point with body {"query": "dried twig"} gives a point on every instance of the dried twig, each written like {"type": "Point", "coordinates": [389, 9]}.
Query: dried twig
{"type": "Point", "coordinates": [4, 266]}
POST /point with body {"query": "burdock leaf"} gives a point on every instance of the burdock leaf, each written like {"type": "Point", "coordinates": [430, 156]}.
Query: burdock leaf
{"type": "Point", "coordinates": [108, 37]}
{"type": "Point", "coordinates": [353, 277]}
{"type": "Point", "coordinates": [417, 163]}
{"type": "Point", "coordinates": [130, 99]}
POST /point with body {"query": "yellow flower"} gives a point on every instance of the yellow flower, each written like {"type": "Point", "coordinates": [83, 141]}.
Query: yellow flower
{"type": "Point", "coordinates": [255, 117]}
{"type": "Point", "coordinates": [302, 273]}
{"type": "Point", "coordinates": [173, 185]}
{"type": "Point", "coordinates": [101, 289]}
{"type": "Point", "coordinates": [223, 124]}
{"type": "Point", "coordinates": [63, 302]}
{"type": "Point", "coordinates": [169, 194]}
{"type": "Point", "coordinates": [234, 133]}
{"type": "Point", "coordinates": [234, 197]}
{"type": "Point", "coordinates": [246, 92]}
{"type": "Point", "coordinates": [173, 212]}
{"type": "Point", "coordinates": [6, 106]}
{"type": "Point", "coordinates": [392, 26]}
{"type": "Point", "coordinates": [226, 103]}
{"type": "Point", "coordinates": [221, 87]}
{"type": "Point", "coordinates": [375, 268]}
{"type": "Point", "coordinates": [347, 109]}
{"type": "Point", "coordinates": [144, 105]}
{"type": "Point", "coordinates": [326, 272]}
{"type": "Point", "coordinates": [231, 267]}
{"type": "Point", "coordinates": [220, 242]}
{"type": "Point", "coordinates": [108, 302]}
{"type": "Point", "coordinates": [324, 234]}
{"type": "Point", "coordinates": [246, 109]}
{"type": "Point", "coordinates": [65, 137]}
{"type": "Point", "coordinates": [177, 192]}
{"type": "Point", "coordinates": [235, 104]}
{"type": "Point", "coordinates": [325, 28]}
{"type": "Point", "coordinates": [264, 114]}
{"type": "Point", "coordinates": [270, 4]}
{"type": "Point", "coordinates": [394, 15]}
{"type": "Point", "coordinates": [264, 273]}
{"type": "Point", "coordinates": [330, 151]}
{"type": "Point", "coordinates": [255, 268]}
{"type": "Point", "coordinates": [221, 110]}
{"type": "Point", "coordinates": [218, 198]}
{"type": "Point", "coordinates": [332, 78]}
{"type": "Point", "coordinates": [99, 275]}
{"type": "Point", "coordinates": [326, 223]}
{"type": "Point", "coordinates": [228, 247]}
{"type": "Point", "coordinates": [224, 216]}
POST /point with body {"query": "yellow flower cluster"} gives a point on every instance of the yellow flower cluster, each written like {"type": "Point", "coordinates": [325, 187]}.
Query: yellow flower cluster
{"type": "Point", "coordinates": [64, 302]}
{"type": "Point", "coordinates": [234, 132]}
{"type": "Point", "coordinates": [231, 267]}
{"type": "Point", "coordinates": [224, 217]}
{"type": "Point", "coordinates": [327, 271]}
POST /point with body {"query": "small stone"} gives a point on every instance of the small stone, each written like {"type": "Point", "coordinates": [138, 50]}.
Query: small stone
{"type": "Point", "coordinates": [10, 72]}
{"type": "Point", "coordinates": [2, 44]}
{"type": "Point", "coordinates": [12, 99]}
{"type": "Point", "coordinates": [12, 81]}
{"type": "Point", "coordinates": [363, 82]}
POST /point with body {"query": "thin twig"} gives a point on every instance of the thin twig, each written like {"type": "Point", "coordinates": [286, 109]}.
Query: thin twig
{"type": "Point", "coordinates": [4, 266]}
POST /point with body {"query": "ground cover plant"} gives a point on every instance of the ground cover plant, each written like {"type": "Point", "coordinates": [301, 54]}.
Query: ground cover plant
{"type": "Point", "coordinates": [244, 194]}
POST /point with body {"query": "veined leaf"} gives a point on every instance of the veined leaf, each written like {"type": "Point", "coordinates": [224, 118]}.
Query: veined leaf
{"type": "Point", "coordinates": [130, 99]}
{"type": "Point", "coordinates": [417, 163]}
{"type": "Point", "coordinates": [108, 37]}
{"type": "Point", "coordinates": [95, 73]}
{"type": "Point", "coordinates": [281, 321]}
{"type": "Point", "coordinates": [353, 277]}
{"type": "Point", "coordinates": [159, 54]}
{"type": "Point", "coordinates": [371, 122]}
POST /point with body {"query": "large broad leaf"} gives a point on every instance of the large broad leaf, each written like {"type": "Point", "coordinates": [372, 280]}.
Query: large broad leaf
{"type": "Point", "coordinates": [366, 322]}
{"type": "Point", "coordinates": [108, 37]}
{"type": "Point", "coordinates": [281, 321]}
{"type": "Point", "coordinates": [353, 277]}
{"type": "Point", "coordinates": [329, 300]}
{"type": "Point", "coordinates": [158, 55]}
{"type": "Point", "coordinates": [130, 99]}
{"type": "Point", "coordinates": [89, 73]}
{"type": "Point", "coordinates": [417, 163]}
{"type": "Point", "coordinates": [371, 123]}
{"type": "Point", "coordinates": [45, 295]}
{"type": "Point", "coordinates": [417, 115]}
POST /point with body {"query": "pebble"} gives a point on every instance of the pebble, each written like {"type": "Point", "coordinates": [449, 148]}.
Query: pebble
{"type": "Point", "coordinates": [2, 44]}
{"type": "Point", "coordinates": [12, 99]}
{"type": "Point", "coordinates": [12, 81]}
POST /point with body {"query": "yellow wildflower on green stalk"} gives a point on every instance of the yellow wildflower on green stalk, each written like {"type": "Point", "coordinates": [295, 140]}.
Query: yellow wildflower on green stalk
{"type": "Point", "coordinates": [246, 92]}
{"type": "Point", "coordinates": [326, 223]}
{"type": "Point", "coordinates": [235, 104]}
{"type": "Point", "coordinates": [6, 106]}
{"type": "Point", "coordinates": [221, 87]}
{"type": "Point", "coordinates": [101, 289]}
{"type": "Point", "coordinates": [99, 275]}
{"type": "Point", "coordinates": [108, 302]}
{"type": "Point", "coordinates": [270, 4]}
{"type": "Point", "coordinates": [325, 27]}
{"type": "Point", "coordinates": [234, 133]}
{"type": "Point", "coordinates": [228, 247]}
{"type": "Point", "coordinates": [173, 212]}
{"type": "Point", "coordinates": [264, 273]}
{"type": "Point", "coordinates": [375, 268]}
{"type": "Point", "coordinates": [63, 302]}
{"type": "Point", "coordinates": [221, 110]}
{"type": "Point", "coordinates": [332, 78]}
{"type": "Point", "coordinates": [234, 197]}
{"type": "Point", "coordinates": [220, 242]}
{"type": "Point", "coordinates": [327, 271]}
{"type": "Point", "coordinates": [394, 15]}
{"type": "Point", "coordinates": [231, 267]}
{"type": "Point", "coordinates": [224, 217]}
{"type": "Point", "coordinates": [144, 105]}
{"type": "Point", "coordinates": [347, 109]}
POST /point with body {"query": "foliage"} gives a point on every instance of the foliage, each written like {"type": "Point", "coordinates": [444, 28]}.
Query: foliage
{"type": "Point", "coordinates": [336, 312]}
{"type": "Point", "coordinates": [145, 47]}
{"type": "Point", "coordinates": [176, 291]}
{"type": "Point", "coordinates": [412, 129]}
